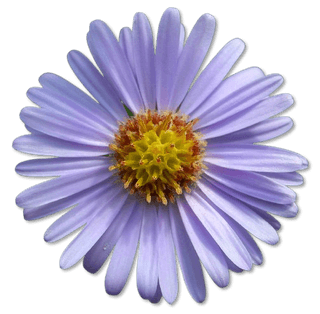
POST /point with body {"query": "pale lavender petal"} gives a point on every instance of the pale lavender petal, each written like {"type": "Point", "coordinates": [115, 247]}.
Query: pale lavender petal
{"type": "Point", "coordinates": [123, 254]}
{"type": "Point", "coordinates": [167, 55]}
{"type": "Point", "coordinates": [85, 111]}
{"type": "Point", "coordinates": [168, 279]}
{"type": "Point", "coordinates": [219, 229]}
{"type": "Point", "coordinates": [188, 258]}
{"type": "Point", "coordinates": [212, 75]}
{"type": "Point", "coordinates": [147, 266]}
{"type": "Point", "coordinates": [181, 39]}
{"type": "Point", "coordinates": [255, 158]}
{"type": "Point", "coordinates": [287, 178]}
{"type": "Point", "coordinates": [144, 59]}
{"type": "Point", "coordinates": [191, 58]}
{"type": "Point", "coordinates": [268, 218]}
{"type": "Point", "coordinates": [262, 131]}
{"type": "Point", "coordinates": [107, 211]}
{"type": "Point", "coordinates": [288, 210]}
{"type": "Point", "coordinates": [259, 112]}
{"type": "Point", "coordinates": [46, 145]}
{"type": "Point", "coordinates": [252, 184]}
{"type": "Point", "coordinates": [240, 212]}
{"type": "Point", "coordinates": [207, 249]}
{"type": "Point", "coordinates": [58, 188]}
{"type": "Point", "coordinates": [33, 131]}
{"type": "Point", "coordinates": [126, 44]}
{"type": "Point", "coordinates": [97, 85]}
{"type": "Point", "coordinates": [59, 166]}
{"type": "Point", "coordinates": [240, 100]}
{"type": "Point", "coordinates": [63, 127]}
{"type": "Point", "coordinates": [97, 255]}
{"type": "Point", "coordinates": [114, 64]}
{"type": "Point", "coordinates": [158, 295]}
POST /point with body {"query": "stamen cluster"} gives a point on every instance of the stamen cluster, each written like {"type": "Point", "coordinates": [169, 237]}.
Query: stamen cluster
{"type": "Point", "coordinates": [157, 155]}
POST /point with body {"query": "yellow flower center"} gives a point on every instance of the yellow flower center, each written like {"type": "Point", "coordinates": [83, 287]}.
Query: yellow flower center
{"type": "Point", "coordinates": [157, 155]}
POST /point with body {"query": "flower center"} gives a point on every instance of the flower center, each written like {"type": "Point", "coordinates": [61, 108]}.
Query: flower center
{"type": "Point", "coordinates": [158, 155]}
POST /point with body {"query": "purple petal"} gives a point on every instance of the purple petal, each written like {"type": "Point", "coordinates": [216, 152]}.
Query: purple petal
{"type": "Point", "coordinates": [268, 218]}
{"type": "Point", "coordinates": [188, 258]}
{"type": "Point", "coordinates": [46, 145]}
{"type": "Point", "coordinates": [262, 131]}
{"type": "Point", "coordinates": [255, 158]}
{"type": "Point", "coordinates": [144, 59]}
{"type": "Point", "coordinates": [123, 254]}
{"type": "Point", "coordinates": [97, 85]}
{"type": "Point", "coordinates": [147, 266]}
{"type": "Point", "coordinates": [107, 211]}
{"type": "Point", "coordinates": [126, 44]}
{"type": "Point", "coordinates": [168, 279]}
{"type": "Point", "coordinates": [181, 39]}
{"type": "Point", "coordinates": [191, 58]}
{"type": "Point", "coordinates": [158, 295]}
{"type": "Point", "coordinates": [207, 249]}
{"type": "Point", "coordinates": [167, 55]}
{"type": "Point", "coordinates": [287, 178]}
{"type": "Point", "coordinates": [212, 75]}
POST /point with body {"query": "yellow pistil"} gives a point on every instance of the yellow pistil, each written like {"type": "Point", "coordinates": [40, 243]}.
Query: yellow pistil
{"type": "Point", "coordinates": [158, 155]}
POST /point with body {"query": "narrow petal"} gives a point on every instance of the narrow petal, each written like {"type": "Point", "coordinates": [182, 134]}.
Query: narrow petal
{"type": "Point", "coordinates": [158, 295]}
{"type": "Point", "coordinates": [59, 166]}
{"type": "Point", "coordinates": [58, 188]}
{"type": "Point", "coordinates": [268, 218]}
{"type": "Point", "coordinates": [191, 58]}
{"type": "Point", "coordinates": [63, 127]}
{"type": "Point", "coordinates": [263, 110]}
{"type": "Point", "coordinates": [252, 184]}
{"type": "Point", "coordinates": [262, 131]}
{"type": "Point", "coordinates": [167, 55]}
{"type": "Point", "coordinates": [147, 266]}
{"type": "Point", "coordinates": [227, 87]}
{"type": "Point", "coordinates": [97, 85]}
{"type": "Point", "coordinates": [240, 212]}
{"type": "Point", "coordinates": [144, 59]}
{"type": "Point", "coordinates": [286, 178]}
{"type": "Point", "coordinates": [168, 279]}
{"type": "Point", "coordinates": [207, 249]}
{"type": "Point", "coordinates": [212, 75]}
{"type": "Point", "coordinates": [46, 145]}
{"type": "Point", "coordinates": [219, 229]}
{"type": "Point", "coordinates": [107, 211]}
{"type": "Point", "coordinates": [240, 100]}
{"type": "Point", "coordinates": [188, 258]}
{"type": "Point", "coordinates": [255, 158]}
{"type": "Point", "coordinates": [126, 44]}
{"type": "Point", "coordinates": [181, 39]}
{"type": "Point", "coordinates": [123, 254]}
{"type": "Point", "coordinates": [97, 255]}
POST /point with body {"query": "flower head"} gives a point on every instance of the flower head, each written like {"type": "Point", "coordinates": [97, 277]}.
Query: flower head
{"type": "Point", "coordinates": [151, 160]}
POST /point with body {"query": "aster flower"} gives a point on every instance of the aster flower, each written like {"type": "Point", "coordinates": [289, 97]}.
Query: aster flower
{"type": "Point", "coordinates": [154, 166]}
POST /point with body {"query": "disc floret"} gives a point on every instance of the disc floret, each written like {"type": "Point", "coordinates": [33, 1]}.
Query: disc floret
{"type": "Point", "coordinates": [158, 155]}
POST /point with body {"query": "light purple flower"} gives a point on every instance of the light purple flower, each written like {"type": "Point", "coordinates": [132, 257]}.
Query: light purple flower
{"type": "Point", "coordinates": [233, 183]}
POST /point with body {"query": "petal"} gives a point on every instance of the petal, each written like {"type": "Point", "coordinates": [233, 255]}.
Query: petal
{"type": "Point", "coordinates": [168, 279]}
{"type": "Point", "coordinates": [158, 295]}
{"type": "Point", "coordinates": [126, 44]}
{"type": "Point", "coordinates": [188, 258]}
{"type": "Point", "coordinates": [97, 85]}
{"type": "Point", "coordinates": [240, 100]}
{"type": "Point", "coordinates": [255, 158]}
{"type": "Point", "coordinates": [107, 211]}
{"type": "Point", "coordinates": [144, 59]}
{"type": "Point", "coordinates": [97, 255]}
{"type": "Point", "coordinates": [58, 188]}
{"type": "Point", "coordinates": [262, 131]}
{"type": "Point", "coordinates": [240, 212]}
{"type": "Point", "coordinates": [207, 249]}
{"type": "Point", "coordinates": [181, 39]}
{"type": "Point", "coordinates": [212, 75]}
{"type": "Point", "coordinates": [219, 229]}
{"type": "Point", "coordinates": [227, 87]}
{"type": "Point", "coordinates": [59, 166]}
{"type": "Point", "coordinates": [123, 254]}
{"type": "Point", "coordinates": [263, 110]}
{"type": "Point", "coordinates": [252, 184]}
{"type": "Point", "coordinates": [63, 127]}
{"type": "Point", "coordinates": [147, 266]}
{"type": "Point", "coordinates": [268, 218]}
{"type": "Point", "coordinates": [286, 178]}
{"type": "Point", "coordinates": [167, 55]}
{"type": "Point", "coordinates": [191, 58]}
{"type": "Point", "coordinates": [46, 145]}
{"type": "Point", "coordinates": [114, 65]}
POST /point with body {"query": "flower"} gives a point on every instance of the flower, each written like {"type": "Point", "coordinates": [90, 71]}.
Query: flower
{"type": "Point", "coordinates": [151, 162]}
